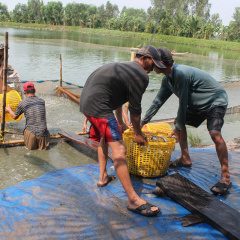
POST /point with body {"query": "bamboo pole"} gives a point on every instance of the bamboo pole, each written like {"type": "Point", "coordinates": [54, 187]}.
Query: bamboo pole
{"type": "Point", "coordinates": [69, 94]}
{"type": "Point", "coordinates": [74, 94]}
{"type": "Point", "coordinates": [21, 141]}
{"type": "Point", "coordinates": [60, 70]}
{"type": "Point", "coordinates": [4, 90]}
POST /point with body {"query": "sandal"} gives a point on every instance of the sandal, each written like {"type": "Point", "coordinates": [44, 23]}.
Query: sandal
{"type": "Point", "coordinates": [110, 179]}
{"type": "Point", "coordinates": [147, 206]}
{"type": "Point", "coordinates": [178, 163]}
{"type": "Point", "coordinates": [223, 188]}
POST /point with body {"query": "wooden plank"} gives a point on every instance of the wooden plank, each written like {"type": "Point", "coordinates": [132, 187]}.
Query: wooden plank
{"type": "Point", "coordinates": [61, 90]}
{"type": "Point", "coordinates": [215, 212]}
{"type": "Point", "coordinates": [86, 142]}
{"type": "Point", "coordinates": [21, 141]}
{"type": "Point", "coordinates": [191, 219]}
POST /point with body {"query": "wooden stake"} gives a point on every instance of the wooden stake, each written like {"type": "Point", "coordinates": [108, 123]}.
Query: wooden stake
{"type": "Point", "coordinates": [132, 55]}
{"type": "Point", "coordinates": [60, 70]}
{"type": "Point", "coordinates": [4, 90]}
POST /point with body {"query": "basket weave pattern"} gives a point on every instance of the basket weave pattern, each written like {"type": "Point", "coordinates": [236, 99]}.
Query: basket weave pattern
{"type": "Point", "coordinates": [12, 99]}
{"type": "Point", "coordinates": [152, 159]}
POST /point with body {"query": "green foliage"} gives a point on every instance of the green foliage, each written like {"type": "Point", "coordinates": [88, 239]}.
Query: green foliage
{"type": "Point", "coordinates": [180, 18]}
{"type": "Point", "coordinates": [4, 15]}
{"type": "Point", "coordinates": [194, 140]}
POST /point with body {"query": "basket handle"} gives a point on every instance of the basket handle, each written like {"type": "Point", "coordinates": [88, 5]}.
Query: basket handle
{"type": "Point", "coordinates": [156, 138]}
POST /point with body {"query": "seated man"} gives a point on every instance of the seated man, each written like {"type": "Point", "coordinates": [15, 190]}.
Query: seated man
{"type": "Point", "coordinates": [36, 135]}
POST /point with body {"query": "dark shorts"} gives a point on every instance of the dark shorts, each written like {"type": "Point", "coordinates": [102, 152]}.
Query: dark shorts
{"type": "Point", "coordinates": [214, 117]}
{"type": "Point", "coordinates": [104, 127]}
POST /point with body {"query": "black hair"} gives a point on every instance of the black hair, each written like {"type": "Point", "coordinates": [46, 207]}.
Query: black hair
{"type": "Point", "coordinates": [29, 91]}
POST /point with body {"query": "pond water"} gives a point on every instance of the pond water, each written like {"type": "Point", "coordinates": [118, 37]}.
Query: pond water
{"type": "Point", "coordinates": [35, 55]}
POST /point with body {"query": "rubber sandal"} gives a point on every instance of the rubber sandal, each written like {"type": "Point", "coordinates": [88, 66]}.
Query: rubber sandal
{"type": "Point", "coordinates": [147, 206]}
{"type": "Point", "coordinates": [223, 188]}
{"type": "Point", "coordinates": [178, 163]}
{"type": "Point", "coordinates": [110, 179]}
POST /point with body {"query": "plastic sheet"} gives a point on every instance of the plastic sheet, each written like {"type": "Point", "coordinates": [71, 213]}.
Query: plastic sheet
{"type": "Point", "coordinates": [67, 204]}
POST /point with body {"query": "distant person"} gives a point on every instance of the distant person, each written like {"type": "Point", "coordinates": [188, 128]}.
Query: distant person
{"type": "Point", "coordinates": [201, 98]}
{"type": "Point", "coordinates": [36, 135]}
{"type": "Point", "coordinates": [11, 73]}
{"type": "Point", "coordinates": [106, 90]}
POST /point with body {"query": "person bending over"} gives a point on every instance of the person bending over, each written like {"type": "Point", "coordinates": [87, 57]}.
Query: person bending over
{"type": "Point", "coordinates": [201, 98]}
{"type": "Point", "coordinates": [106, 90]}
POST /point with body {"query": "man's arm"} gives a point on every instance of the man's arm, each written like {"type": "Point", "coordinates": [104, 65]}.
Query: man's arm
{"type": "Point", "coordinates": [140, 138]}
{"type": "Point", "coordinates": [10, 111]}
{"type": "Point", "coordinates": [125, 117]}
{"type": "Point", "coordinates": [118, 114]}
{"type": "Point", "coordinates": [84, 127]}
{"type": "Point", "coordinates": [163, 94]}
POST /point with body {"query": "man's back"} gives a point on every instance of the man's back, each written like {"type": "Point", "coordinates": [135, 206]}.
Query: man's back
{"type": "Point", "coordinates": [200, 89]}
{"type": "Point", "coordinates": [33, 108]}
{"type": "Point", "coordinates": [112, 85]}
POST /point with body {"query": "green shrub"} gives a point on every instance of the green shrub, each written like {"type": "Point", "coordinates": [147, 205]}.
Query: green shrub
{"type": "Point", "coordinates": [194, 140]}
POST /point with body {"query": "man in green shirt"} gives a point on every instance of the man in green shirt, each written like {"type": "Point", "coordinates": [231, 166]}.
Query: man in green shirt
{"type": "Point", "coordinates": [201, 98]}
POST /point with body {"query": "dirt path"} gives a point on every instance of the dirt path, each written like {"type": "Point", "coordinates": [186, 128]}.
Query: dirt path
{"type": "Point", "coordinates": [231, 145]}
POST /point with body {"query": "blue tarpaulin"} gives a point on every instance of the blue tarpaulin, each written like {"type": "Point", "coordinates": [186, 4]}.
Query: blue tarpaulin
{"type": "Point", "coordinates": [67, 204]}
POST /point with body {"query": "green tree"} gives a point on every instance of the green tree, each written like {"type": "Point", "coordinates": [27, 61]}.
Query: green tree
{"type": "Point", "coordinates": [34, 11]}
{"type": "Point", "coordinates": [53, 13]}
{"type": "Point", "coordinates": [92, 16]}
{"type": "Point", "coordinates": [234, 26]}
{"type": "Point", "coordinates": [201, 8]}
{"type": "Point", "coordinates": [216, 23]}
{"type": "Point", "coordinates": [20, 13]}
{"type": "Point", "coordinates": [111, 11]}
{"type": "Point", "coordinates": [136, 19]}
{"type": "Point", "coordinates": [4, 15]}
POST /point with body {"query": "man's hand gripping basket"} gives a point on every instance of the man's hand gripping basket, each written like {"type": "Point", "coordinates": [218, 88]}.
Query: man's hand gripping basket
{"type": "Point", "coordinates": [152, 159]}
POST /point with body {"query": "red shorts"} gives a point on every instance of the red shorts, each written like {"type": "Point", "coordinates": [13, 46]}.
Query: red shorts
{"type": "Point", "coordinates": [92, 134]}
{"type": "Point", "coordinates": [104, 127]}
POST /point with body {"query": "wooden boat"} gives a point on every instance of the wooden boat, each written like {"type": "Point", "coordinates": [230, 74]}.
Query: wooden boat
{"type": "Point", "coordinates": [178, 53]}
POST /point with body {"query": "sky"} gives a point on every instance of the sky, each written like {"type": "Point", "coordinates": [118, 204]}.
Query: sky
{"type": "Point", "coordinates": [225, 8]}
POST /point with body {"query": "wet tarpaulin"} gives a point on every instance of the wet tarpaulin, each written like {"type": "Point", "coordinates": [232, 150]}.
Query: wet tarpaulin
{"type": "Point", "coordinates": [67, 204]}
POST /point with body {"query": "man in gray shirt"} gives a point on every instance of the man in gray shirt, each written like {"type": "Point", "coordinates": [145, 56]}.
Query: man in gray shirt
{"type": "Point", "coordinates": [201, 98]}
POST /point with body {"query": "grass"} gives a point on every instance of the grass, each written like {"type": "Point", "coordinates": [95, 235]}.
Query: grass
{"type": "Point", "coordinates": [217, 44]}
{"type": "Point", "coordinates": [194, 140]}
